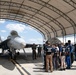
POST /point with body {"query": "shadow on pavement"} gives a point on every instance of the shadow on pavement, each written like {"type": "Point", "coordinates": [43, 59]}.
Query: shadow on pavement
{"type": "Point", "coordinates": [6, 63]}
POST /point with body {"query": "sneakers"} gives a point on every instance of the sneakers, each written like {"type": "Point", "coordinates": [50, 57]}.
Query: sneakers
{"type": "Point", "coordinates": [48, 71]}
{"type": "Point", "coordinates": [62, 69]}
{"type": "Point", "coordinates": [51, 71]}
{"type": "Point", "coordinates": [68, 68]}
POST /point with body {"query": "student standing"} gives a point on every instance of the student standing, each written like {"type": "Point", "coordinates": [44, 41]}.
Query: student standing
{"type": "Point", "coordinates": [49, 58]}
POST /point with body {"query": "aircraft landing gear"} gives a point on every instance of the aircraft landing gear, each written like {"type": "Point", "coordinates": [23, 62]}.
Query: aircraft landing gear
{"type": "Point", "coordinates": [18, 53]}
{"type": "Point", "coordinates": [13, 54]}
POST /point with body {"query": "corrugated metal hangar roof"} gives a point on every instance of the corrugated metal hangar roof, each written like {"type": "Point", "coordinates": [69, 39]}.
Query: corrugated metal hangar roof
{"type": "Point", "coordinates": [53, 18]}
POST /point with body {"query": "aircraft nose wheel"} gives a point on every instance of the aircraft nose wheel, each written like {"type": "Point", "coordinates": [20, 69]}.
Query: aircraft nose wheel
{"type": "Point", "coordinates": [18, 53]}
{"type": "Point", "coordinates": [14, 57]}
{"type": "Point", "coordinates": [13, 54]}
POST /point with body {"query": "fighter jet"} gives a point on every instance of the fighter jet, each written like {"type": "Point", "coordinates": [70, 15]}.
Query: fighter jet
{"type": "Point", "coordinates": [12, 43]}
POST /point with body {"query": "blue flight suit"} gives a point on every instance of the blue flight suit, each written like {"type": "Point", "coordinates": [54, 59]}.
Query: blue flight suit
{"type": "Point", "coordinates": [68, 56]}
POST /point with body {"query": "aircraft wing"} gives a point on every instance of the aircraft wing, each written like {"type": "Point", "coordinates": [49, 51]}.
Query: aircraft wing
{"type": "Point", "coordinates": [3, 44]}
{"type": "Point", "coordinates": [29, 45]}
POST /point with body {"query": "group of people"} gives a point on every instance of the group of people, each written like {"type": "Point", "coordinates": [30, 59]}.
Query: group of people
{"type": "Point", "coordinates": [58, 56]}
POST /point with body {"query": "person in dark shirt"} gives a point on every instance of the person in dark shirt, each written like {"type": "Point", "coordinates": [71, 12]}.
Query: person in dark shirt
{"type": "Point", "coordinates": [34, 51]}
{"type": "Point", "coordinates": [49, 57]}
{"type": "Point", "coordinates": [62, 56]}
{"type": "Point", "coordinates": [75, 51]}
{"type": "Point", "coordinates": [39, 50]}
{"type": "Point", "coordinates": [55, 50]}
{"type": "Point", "coordinates": [44, 48]}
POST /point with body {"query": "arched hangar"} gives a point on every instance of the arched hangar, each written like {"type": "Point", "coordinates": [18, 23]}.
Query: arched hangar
{"type": "Point", "coordinates": [53, 18]}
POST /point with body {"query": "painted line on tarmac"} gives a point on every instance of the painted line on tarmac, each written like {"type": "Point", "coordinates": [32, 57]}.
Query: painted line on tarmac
{"type": "Point", "coordinates": [21, 69]}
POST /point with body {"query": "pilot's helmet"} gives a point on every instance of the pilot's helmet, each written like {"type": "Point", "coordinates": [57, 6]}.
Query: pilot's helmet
{"type": "Point", "coordinates": [13, 32]}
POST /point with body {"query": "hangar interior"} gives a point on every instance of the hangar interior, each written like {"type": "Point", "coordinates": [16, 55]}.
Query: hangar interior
{"type": "Point", "coordinates": [52, 18]}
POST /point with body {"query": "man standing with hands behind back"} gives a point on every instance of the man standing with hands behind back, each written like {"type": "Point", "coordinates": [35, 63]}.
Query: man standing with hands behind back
{"type": "Point", "coordinates": [49, 57]}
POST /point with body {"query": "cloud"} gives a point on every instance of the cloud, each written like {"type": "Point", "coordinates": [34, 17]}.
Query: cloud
{"type": "Point", "coordinates": [3, 30]}
{"type": "Point", "coordinates": [2, 20]}
{"type": "Point", "coordinates": [17, 27]}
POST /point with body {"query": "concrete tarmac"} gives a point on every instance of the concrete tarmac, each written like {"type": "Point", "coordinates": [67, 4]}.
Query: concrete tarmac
{"type": "Point", "coordinates": [27, 66]}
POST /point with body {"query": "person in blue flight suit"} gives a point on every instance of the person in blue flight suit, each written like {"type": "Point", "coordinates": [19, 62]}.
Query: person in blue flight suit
{"type": "Point", "coordinates": [69, 54]}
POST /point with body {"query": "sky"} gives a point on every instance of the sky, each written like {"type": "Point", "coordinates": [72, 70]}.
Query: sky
{"type": "Point", "coordinates": [28, 33]}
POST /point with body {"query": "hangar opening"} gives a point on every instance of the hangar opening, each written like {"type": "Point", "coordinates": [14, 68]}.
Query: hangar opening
{"type": "Point", "coordinates": [28, 33]}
